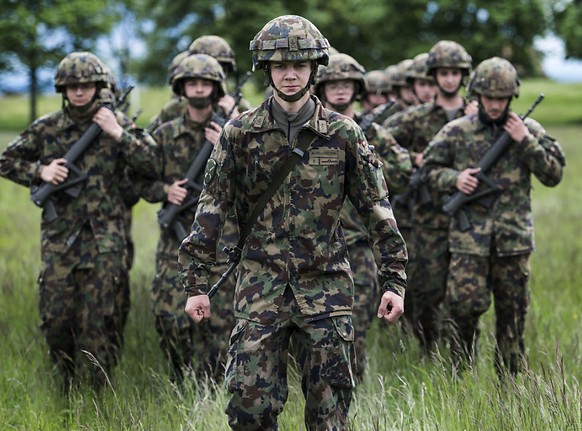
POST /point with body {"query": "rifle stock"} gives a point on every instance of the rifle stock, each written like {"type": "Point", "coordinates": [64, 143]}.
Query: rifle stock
{"type": "Point", "coordinates": [455, 203]}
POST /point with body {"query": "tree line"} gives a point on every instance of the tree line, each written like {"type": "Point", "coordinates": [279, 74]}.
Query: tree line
{"type": "Point", "coordinates": [38, 33]}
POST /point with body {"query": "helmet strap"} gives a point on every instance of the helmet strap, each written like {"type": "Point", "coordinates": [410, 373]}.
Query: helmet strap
{"type": "Point", "coordinates": [297, 96]}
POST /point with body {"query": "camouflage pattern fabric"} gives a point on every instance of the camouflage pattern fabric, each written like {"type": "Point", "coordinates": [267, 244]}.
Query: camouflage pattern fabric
{"type": "Point", "coordinates": [382, 113]}
{"type": "Point", "coordinates": [181, 341]}
{"type": "Point", "coordinates": [99, 210]}
{"type": "Point", "coordinates": [173, 109]}
{"type": "Point", "coordinates": [296, 246]}
{"type": "Point", "coordinates": [502, 232]}
{"type": "Point", "coordinates": [397, 168]}
{"type": "Point", "coordinates": [286, 245]}
{"type": "Point", "coordinates": [259, 353]}
{"type": "Point", "coordinates": [414, 128]}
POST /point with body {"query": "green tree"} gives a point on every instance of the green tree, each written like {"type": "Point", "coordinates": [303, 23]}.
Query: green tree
{"type": "Point", "coordinates": [376, 32]}
{"type": "Point", "coordinates": [38, 33]}
{"type": "Point", "coordinates": [568, 16]}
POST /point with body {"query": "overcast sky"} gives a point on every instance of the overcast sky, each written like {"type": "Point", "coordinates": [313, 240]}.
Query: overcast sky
{"type": "Point", "coordinates": [555, 65]}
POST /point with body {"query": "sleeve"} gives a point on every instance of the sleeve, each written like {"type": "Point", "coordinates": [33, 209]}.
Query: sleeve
{"type": "Point", "coordinates": [197, 252]}
{"type": "Point", "coordinates": [438, 161]}
{"type": "Point", "coordinates": [368, 192]}
{"type": "Point", "coordinates": [396, 163]}
{"type": "Point", "coordinates": [21, 160]}
{"type": "Point", "coordinates": [543, 154]}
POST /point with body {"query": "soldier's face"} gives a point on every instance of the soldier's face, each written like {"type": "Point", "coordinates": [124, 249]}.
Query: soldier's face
{"type": "Point", "coordinates": [198, 87]}
{"type": "Point", "coordinates": [290, 77]}
{"type": "Point", "coordinates": [376, 99]}
{"type": "Point", "coordinates": [449, 79]}
{"type": "Point", "coordinates": [339, 92]}
{"type": "Point", "coordinates": [80, 94]}
{"type": "Point", "coordinates": [425, 90]}
{"type": "Point", "coordinates": [408, 95]}
{"type": "Point", "coordinates": [494, 107]}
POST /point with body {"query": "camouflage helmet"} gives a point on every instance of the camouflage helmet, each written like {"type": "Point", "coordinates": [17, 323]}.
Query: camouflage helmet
{"type": "Point", "coordinates": [199, 66]}
{"type": "Point", "coordinates": [418, 68]}
{"type": "Point", "coordinates": [174, 65]}
{"type": "Point", "coordinates": [340, 67]}
{"type": "Point", "coordinates": [397, 75]}
{"type": "Point", "coordinates": [447, 53]}
{"type": "Point", "coordinates": [80, 68]}
{"type": "Point", "coordinates": [494, 77]}
{"type": "Point", "coordinates": [217, 47]}
{"type": "Point", "coordinates": [377, 82]}
{"type": "Point", "coordinates": [288, 38]}
{"type": "Point", "coordinates": [332, 51]}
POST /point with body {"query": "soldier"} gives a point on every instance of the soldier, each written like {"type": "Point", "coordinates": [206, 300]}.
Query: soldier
{"type": "Point", "coordinates": [377, 90]}
{"type": "Point", "coordinates": [199, 79]}
{"type": "Point", "coordinates": [422, 84]}
{"type": "Point", "coordinates": [492, 257]}
{"type": "Point", "coordinates": [219, 49]}
{"type": "Point", "coordinates": [82, 249]}
{"type": "Point", "coordinates": [424, 225]}
{"type": "Point", "coordinates": [294, 277]}
{"type": "Point", "coordinates": [338, 86]}
{"type": "Point", "coordinates": [400, 95]}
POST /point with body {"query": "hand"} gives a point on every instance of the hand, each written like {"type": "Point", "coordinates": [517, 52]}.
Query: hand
{"type": "Point", "coordinates": [227, 103]}
{"type": "Point", "coordinates": [472, 107]}
{"type": "Point", "coordinates": [55, 172]}
{"type": "Point", "coordinates": [212, 132]}
{"type": "Point", "coordinates": [177, 193]}
{"type": "Point", "coordinates": [418, 159]}
{"type": "Point", "coordinates": [515, 127]}
{"type": "Point", "coordinates": [391, 307]}
{"type": "Point", "coordinates": [198, 308]}
{"type": "Point", "coordinates": [107, 120]}
{"type": "Point", "coordinates": [466, 180]}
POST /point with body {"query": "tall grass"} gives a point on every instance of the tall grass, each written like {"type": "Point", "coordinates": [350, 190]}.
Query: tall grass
{"type": "Point", "coordinates": [400, 392]}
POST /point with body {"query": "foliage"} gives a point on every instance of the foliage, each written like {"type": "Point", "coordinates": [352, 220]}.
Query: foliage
{"type": "Point", "coordinates": [377, 33]}
{"type": "Point", "coordinates": [568, 27]}
{"type": "Point", "coordinates": [38, 33]}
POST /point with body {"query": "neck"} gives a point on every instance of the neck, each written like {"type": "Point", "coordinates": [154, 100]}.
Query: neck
{"type": "Point", "coordinates": [449, 102]}
{"type": "Point", "coordinates": [348, 112]}
{"type": "Point", "coordinates": [199, 115]}
{"type": "Point", "coordinates": [291, 106]}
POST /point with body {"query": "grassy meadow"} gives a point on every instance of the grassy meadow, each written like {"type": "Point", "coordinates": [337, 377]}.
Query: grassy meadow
{"type": "Point", "coordinates": [400, 392]}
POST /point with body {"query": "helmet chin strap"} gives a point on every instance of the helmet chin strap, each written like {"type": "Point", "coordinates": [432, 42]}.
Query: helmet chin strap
{"type": "Point", "coordinates": [293, 97]}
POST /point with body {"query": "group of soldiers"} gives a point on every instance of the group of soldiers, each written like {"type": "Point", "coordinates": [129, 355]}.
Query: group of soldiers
{"type": "Point", "coordinates": [356, 215]}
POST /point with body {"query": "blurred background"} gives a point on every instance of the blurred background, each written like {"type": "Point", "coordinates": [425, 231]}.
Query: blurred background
{"type": "Point", "coordinates": [139, 38]}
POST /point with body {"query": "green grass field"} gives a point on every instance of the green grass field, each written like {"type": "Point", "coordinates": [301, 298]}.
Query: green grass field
{"type": "Point", "coordinates": [399, 393]}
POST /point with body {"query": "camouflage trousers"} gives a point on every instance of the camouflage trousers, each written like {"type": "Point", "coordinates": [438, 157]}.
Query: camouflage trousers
{"type": "Point", "coordinates": [366, 297]}
{"type": "Point", "coordinates": [82, 311]}
{"type": "Point", "coordinates": [427, 285]}
{"type": "Point", "coordinates": [472, 280]}
{"type": "Point", "coordinates": [256, 372]}
{"type": "Point", "coordinates": [186, 346]}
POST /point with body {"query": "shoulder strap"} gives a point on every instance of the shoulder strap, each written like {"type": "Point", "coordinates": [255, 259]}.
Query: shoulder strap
{"type": "Point", "coordinates": [234, 253]}
{"type": "Point", "coordinates": [290, 162]}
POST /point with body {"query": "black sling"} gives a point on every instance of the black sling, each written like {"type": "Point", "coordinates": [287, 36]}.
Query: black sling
{"type": "Point", "coordinates": [234, 253]}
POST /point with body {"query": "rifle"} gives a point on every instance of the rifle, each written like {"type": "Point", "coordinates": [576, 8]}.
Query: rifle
{"type": "Point", "coordinates": [41, 195]}
{"type": "Point", "coordinates": [366, 121]}
{"type": "Point", "coordinates": [455, 203]}
{"type": "Point", "coordinates": [168, 215]}
{"type": "Point", "coordinates": [415, 185]}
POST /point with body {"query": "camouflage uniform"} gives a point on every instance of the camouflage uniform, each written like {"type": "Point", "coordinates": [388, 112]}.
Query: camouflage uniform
{"type": "Point", "coordinates": [492, 257]}
{"type": "Point", "coordinates": [423, 224]}
{"type": "Point", "coordinates": [82, 250]}
{"type": "Point", "coordinates": [294, 276]}
{"type": "Point", "coordinates": [180, 141]}
{"type": "Point", "coordinates": [396, 167]}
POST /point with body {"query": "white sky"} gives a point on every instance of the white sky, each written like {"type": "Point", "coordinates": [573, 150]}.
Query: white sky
{"type": "Point", "coordinates": [554, 64]}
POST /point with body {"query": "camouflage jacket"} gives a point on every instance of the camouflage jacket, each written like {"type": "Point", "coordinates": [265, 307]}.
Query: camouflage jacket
{"type": "Point", "coordinates": [297, 239]}
{"type": "Point", "coordinates": [100, 202]}
{"type": "Point", "coordinates": [414, 128]}
{"type": "Point", "coordinates": [179, 141]}
{"type": "Point", "coordinates": [397, 169]}
{"type": "Point", "coordinates": [507, 224]}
